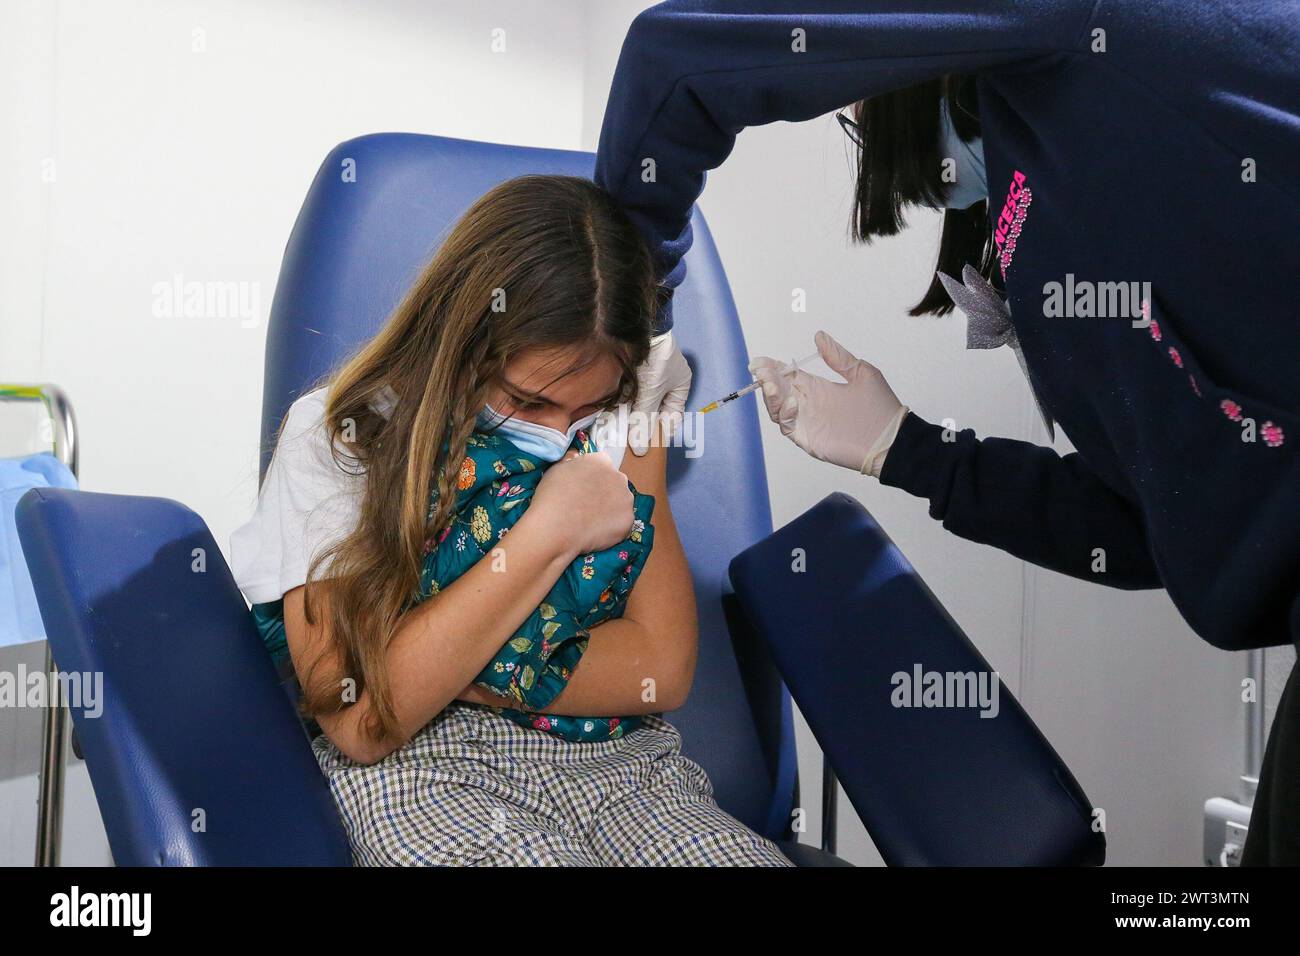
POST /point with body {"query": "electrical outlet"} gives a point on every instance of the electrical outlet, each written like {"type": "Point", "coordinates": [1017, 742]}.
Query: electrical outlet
{"type": "Point", "coordinates": [1226, 825]}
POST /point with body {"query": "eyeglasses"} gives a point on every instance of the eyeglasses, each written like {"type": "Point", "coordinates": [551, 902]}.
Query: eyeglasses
{"type": "Point", "coordinates": [851, 129]}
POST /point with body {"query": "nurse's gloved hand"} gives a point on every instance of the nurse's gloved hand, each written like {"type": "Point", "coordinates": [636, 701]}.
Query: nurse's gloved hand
{"type": "Point", "coordinates": [663, 381]}
{"type": "Point", "coordinates": [850, 423]}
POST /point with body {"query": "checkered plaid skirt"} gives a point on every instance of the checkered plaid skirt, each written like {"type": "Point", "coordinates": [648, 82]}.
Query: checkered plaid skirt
{"type": "Point", "coordinates": [474, 789]}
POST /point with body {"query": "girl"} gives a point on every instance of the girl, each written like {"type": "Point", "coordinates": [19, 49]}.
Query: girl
{"type": "Point", "coordinates": [453, 730]}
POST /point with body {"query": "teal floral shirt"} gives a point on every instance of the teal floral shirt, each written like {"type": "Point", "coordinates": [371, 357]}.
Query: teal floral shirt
{"type": "Point", "coordinates": [495, 484]}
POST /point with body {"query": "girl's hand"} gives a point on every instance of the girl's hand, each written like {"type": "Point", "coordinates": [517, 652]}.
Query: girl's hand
{"type": "Point", "coordinates": [586, 501]}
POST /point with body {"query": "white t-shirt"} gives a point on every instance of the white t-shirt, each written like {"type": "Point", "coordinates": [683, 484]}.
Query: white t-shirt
{"type": "Point", "coordinates": [308, 502]}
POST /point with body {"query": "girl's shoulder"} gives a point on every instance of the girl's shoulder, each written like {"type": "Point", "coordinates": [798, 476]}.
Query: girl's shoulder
{"type": "Point", "coordinates": [305, 448]}
{"type": "Point", "coordinates": [610, 433]}
{"type": "Point", "coordinates": [305, 415]}
{"type": "Point", "coordinates": [308, 500]}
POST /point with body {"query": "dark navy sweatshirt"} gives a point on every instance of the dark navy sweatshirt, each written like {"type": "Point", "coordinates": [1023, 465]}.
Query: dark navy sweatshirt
{"type": "Point", "coordinates": [1126, 141]}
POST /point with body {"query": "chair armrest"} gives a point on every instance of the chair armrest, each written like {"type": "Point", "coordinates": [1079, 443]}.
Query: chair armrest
{"type": "Point", "coordinates": [192, 721]}
{"type": "Point", "coordinates": [849, 623]}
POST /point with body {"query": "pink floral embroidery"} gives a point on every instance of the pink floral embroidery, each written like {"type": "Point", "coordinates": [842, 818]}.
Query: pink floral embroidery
{"type": "Point", "coordinates": [1018, 206]}
{"type": "Point", "coordinates": [1272, 433]}
{"type": "Point", "coordinates": [541, 723]}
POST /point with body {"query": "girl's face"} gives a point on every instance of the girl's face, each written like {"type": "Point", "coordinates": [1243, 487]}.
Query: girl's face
{"type": "Point", "coordinates": [538, 386]}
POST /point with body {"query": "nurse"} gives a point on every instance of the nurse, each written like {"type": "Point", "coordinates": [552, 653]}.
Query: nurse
{"type": "Point", "coordinates": [1096, 145]}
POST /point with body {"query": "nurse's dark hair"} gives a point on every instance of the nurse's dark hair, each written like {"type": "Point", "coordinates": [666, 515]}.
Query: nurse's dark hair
{"type": "Point", "coordinates": [900, 165]}
{"type": "Point", "coordinates": [537, 263]}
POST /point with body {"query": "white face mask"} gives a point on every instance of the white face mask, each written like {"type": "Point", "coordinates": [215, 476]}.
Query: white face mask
{"type": "Point", "coordinates": [548, 444]}
{"type": "Point", "coordinates": [971, 184]}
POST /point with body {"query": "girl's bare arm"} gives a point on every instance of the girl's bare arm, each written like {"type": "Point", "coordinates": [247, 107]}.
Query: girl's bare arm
{"type": "Point", "coordinates": [442, 643]}
{"type": "Point", "coordinates": [643, 662]}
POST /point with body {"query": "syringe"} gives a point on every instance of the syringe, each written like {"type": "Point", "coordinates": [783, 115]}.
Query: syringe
{"type": "Point", "coordinates": [738, 393]}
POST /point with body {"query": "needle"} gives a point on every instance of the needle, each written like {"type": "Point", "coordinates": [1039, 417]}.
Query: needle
{"type": "Point", "coordinates": [738, 393]}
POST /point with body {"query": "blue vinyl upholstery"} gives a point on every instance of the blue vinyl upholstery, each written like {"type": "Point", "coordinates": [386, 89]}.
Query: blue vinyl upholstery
{"type": "Point", "coordinates": [933, 785]}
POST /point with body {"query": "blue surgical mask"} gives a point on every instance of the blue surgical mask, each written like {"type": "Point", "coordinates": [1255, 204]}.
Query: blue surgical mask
{"type": "Point", "coordinates": [547, 444]}
{"type": "Point", "coordinates": [972, 184]}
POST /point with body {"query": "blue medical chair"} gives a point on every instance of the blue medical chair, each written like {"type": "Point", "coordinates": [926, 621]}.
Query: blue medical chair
{"type": "Point", "coordinates": [198, 757]}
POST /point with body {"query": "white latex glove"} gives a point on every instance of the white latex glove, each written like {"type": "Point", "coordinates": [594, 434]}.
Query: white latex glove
{"type": "Point", "coordinates": [663, 381]}
{"type": "Point", "coordinates": [850, 423]}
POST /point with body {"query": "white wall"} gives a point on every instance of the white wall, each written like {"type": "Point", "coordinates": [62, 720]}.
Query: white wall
{"type": "Point", "coordinates": [169, 161]}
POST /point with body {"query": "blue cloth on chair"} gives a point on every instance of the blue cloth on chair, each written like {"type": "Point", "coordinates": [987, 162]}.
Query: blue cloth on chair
{"type": "Point", "coordinates": [20, 618]}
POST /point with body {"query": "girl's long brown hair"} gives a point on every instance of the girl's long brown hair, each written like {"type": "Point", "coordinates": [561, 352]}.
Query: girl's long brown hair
{"type": "Point", "coordinates": [546, 262]}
